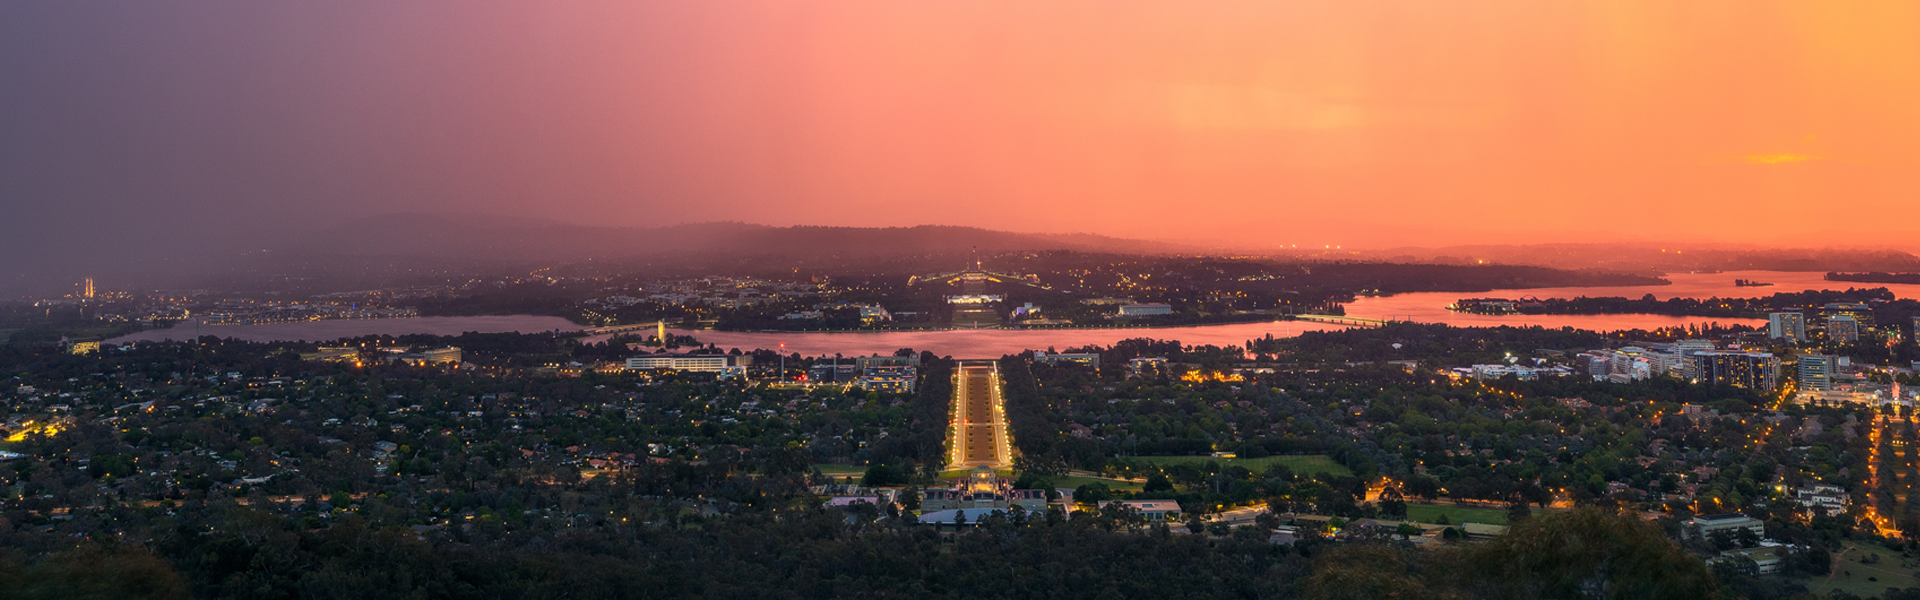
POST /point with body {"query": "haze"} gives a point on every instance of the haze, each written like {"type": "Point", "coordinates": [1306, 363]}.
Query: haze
{"type": "Point", "coordinates": [130, 131]}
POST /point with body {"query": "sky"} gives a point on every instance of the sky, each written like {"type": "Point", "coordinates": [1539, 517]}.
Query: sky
{"type": "Point", "coordinates": [143, 130]}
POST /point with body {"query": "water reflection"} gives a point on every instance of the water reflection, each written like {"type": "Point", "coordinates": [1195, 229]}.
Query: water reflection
{"type": "Point", "coordinates": [1429, 307]}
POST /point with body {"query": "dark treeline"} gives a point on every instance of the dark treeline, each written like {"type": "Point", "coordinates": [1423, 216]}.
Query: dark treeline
{"type": "Point", "coordinates": [235, 552]}
{"type": "Point", "coordinates": [1875, 277]}
{"type": "Point", "coordinates": [1710, 307]}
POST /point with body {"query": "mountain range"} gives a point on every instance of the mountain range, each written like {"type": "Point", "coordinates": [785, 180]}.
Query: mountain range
{"type": "Point", "coordinates": [473, 238]}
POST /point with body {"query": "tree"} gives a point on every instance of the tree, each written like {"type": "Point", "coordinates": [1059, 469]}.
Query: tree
{"type": "Point", "coordinates": [1407, 530]}
{"type": "Point", "coordinates": [1518, 512]}
{"type": "Point", "coordinates": [1583, 553]}
{"type": "Point", "coordinates": [1424, 486]}
{"type": "Point", "coordinates": [1393, 508]}
{"type": "Point", "coordinates": [882, 476]}
{"type": "Point", "coordinates": [1157, 483]}
{"type": "Point", "coordinates": [910, 499]}
{"type": "Point", "coordinates": [1092, 493]}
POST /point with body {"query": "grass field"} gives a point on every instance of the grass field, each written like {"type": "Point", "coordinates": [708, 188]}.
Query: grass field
{"type": "Point", "coordinates": [1431, 513]}
{"type": "Point", "coordinates": [840, 473]}
{"type": "Point", "coordinates": [1074, 482]}
{"type": "Point", "coordinates": [1851, 576]}
{"type": "Point", "coordinates": [1308, 464]}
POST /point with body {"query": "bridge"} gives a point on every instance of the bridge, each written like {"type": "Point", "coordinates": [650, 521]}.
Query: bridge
{"type": "Point", "coordinates": [1346, 320]}
{"type": "Point", "coordinates": [977, 418]}
{"type": "Point", "coordinates": [660, 328]}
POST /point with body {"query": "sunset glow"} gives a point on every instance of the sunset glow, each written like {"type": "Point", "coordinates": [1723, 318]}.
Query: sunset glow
{"type": "Point", "coordinates": [1257, 124]}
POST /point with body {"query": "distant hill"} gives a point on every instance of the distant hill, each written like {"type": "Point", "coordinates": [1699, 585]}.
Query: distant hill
{"type": "Point", "coordinates": [1671, 259]}
{"type": "Point", "coordinates": [490, 239]}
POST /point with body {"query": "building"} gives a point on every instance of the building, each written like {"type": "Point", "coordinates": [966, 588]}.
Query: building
{"type": "Point", "coordinates": [333, 353]}
{"type": "Point", "coordinates": [833, 372]}
{"type": "Point", "coordinates": [1631, 363]}
{"type": "Point", "coordinates": [1145, 310]}
{"type": "Point", "coordinates": [442, 356]}
{"type": "Point", "coordinates": [982, 488]}
{"type": "Point", "coordinates": [1731, 523]}
{"type": "Point", "coordinates": [1816, 372]}
{"type": "Point", "coordinates": [1153, 510]}
{"type": "Point", "coordinates": [1861, 313]}
{"type": "Point", "coordinates": [1670, 358]}
{"type": "Point", "coordinates": [1789, 326]}
{"type": "Point", "coordinates": [867, 362]}
{"type": "Point", "coordinates": [874, 314]}
{"type": "Point", "coordinates": [1146, 367]}
{"type": "Point", "coordinates": [1597, 364]}
{"type": "Point", "coordinates": [1751, 370]}
{"type": "Point", "coordinates": [711, 363]}
{"type": "Point", "coordinates": [1490, 372]}
{"type": "Point", "coordinates": [892, 379]}
{"type": "Point", "coordinates": [1089, 359]}
{"type": "Point", "coordinates": [82, 348]}
{"type": "Point", "coordinates": [1821, 499]}
{"type": "Point", "coordinates": [1843, 329]}
{"type": "Point", "coordinates": [1765, 560]}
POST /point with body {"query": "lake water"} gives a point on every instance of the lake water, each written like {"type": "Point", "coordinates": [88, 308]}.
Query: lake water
{"type": "Point", "coordinates": [1431, 307]}
{"type": "Point", "coordinates": [1426, 307]}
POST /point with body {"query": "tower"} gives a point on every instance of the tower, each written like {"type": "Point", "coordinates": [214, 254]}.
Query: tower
{"type": "Point", "coordinates": [89, 289]}
{"type": "Point", "coordinates": [661, 330]}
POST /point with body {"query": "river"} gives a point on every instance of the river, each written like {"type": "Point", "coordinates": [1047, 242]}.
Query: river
{"type": "Point", "coordinates": [1425, 307]}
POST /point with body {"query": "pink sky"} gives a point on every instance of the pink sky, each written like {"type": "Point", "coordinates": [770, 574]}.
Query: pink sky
{"type": "Point", "coordinates": [1364, 123]}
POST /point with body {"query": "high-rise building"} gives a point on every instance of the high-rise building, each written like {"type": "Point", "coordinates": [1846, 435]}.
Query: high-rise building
{"type": "Point", "coordinates": [1816, 372]}
{"type": "Point", "coordinates": [1789, 326]}
{"type": "Point", "coordinates": [1843, 329]}
{"type": "Point", "coordinates": [1861, 313]}
{"type": "Point", "coordinates": [88, 293]}
{"type": "Point", "coordinates": [1752, 370]}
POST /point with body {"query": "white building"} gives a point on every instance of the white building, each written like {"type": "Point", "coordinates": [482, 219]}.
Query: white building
{"type": "Point", "coordinates": [1707, 525]}
{"type": "Point", "coordinates": [1145, 310]}
{"type": "Point", "coordinates": [713, 363]}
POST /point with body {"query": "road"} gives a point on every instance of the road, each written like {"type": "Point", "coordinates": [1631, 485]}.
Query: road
{"type": "Point", "coordinates": [979, 432]}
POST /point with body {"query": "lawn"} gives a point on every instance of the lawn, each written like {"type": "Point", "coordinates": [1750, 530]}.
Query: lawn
{"type": "Point", "coordinates": [841, 473]}
{"type": "Point", "coordinates": [1431, 513]}
{"type": "Point", "coordinates": [1850, 575]}
{"type": "Point", "coordinates": [1066, 481]}
{"type": "Point", "coordinates": [1306, 464]}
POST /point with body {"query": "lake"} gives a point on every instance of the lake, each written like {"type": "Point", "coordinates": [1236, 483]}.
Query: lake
{"type": "Point", "coordinates": [1431, 307]}
{"type": "Point", "coordinates": [1425, 307]}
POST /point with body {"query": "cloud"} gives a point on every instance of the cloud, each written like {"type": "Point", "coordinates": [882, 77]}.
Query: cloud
{"type": "Point", "coordinates": [1779, 159]}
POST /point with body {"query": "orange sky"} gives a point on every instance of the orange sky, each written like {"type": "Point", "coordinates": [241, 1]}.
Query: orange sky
{"type": "Point", "coordinates": [1364, 123]}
